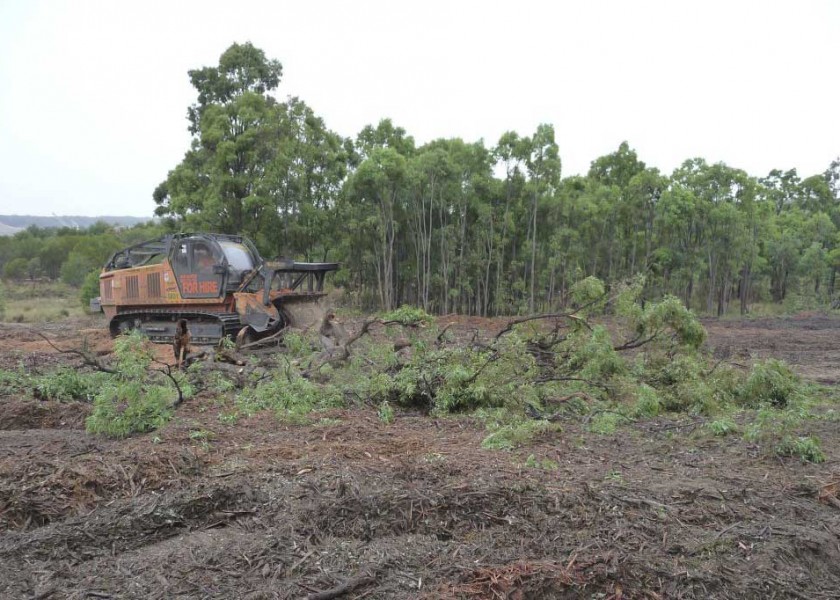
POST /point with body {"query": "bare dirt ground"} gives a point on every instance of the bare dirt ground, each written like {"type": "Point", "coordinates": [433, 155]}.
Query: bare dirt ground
{"type": "Point", "coordinates": [415, 509]}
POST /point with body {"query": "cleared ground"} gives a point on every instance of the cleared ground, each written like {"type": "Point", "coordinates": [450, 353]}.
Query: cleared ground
{"type": "Point", "coordinates": [256, 509]}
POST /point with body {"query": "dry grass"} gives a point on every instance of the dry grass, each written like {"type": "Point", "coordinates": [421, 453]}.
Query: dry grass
{"type": "Point", "coordinates": [40, 302]}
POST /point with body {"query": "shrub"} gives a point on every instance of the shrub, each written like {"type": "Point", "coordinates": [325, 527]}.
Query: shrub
{"type": "Point", "coordinates": [297, 345]}
{"type": "Point", "coordinates": [409, 315]}
{"type": "Point", "coordinates": [516, 433]}
{"type": "Point", "coordinates": [75, 268]}
{"type": "Point", "coordinates": [218, 383]}
{"type": "Point", "coordinates": [68, 384]}
{"type": "Point", "coordinates": [130, 407]}
{"type": "Point", "coordinates": [722, 427]}
{"type": "Point", "coordinates": [33, 267]}
{"type": "Point", "coordinates": [775, 430]}
{"type": "Point", "coordinates": [545, 464]}
{"type": "Point", "coordinates": [386, 412]}
{"type": "Point", "coordinates": [606, 423]}
{"type": "Point", "coordinates": [89, 289]}
{"type": "Point", "coordinates": [683, 384]}
{"type": "Point", "coordinates": [127, 403]}
{"type": "Point", "coordinates": [16, 269]}
{"type": "Point", "coordinates": [770, 382]}
{"type": "Point", "coordinates": [807, 449]}
{"type": "Point", "coordinates": [12, 382]}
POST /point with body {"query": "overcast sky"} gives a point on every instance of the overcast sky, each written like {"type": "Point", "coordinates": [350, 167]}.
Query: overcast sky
{"type": "Point", "coordinates": [94, 95]}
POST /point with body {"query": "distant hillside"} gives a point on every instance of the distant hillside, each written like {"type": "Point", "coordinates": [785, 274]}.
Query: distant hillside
{"type": "Point", "coordinates": [11, 224]}
{"type": "Point", "coordinates": [8, 229]}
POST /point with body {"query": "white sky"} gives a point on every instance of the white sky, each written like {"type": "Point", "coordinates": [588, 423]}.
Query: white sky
{"type": "Point", "coordinates": [94, 94]}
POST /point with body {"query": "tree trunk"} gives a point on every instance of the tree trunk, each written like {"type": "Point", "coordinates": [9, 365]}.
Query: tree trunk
{"type": "Point", "coordinates": [533, 254]}
{"type": "Point", "coordinates": [744, 289]}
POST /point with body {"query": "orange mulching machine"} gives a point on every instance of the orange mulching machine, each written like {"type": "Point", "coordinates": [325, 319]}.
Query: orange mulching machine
{"type": "Point", "coordinates": [217, 283]}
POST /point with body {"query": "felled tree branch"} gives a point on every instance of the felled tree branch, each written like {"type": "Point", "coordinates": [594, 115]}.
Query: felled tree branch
{"type": "Point", "coordinates": [636, 342]}
{"type": "Point", "coordinates": [166, 369]}
{"type": "Point", "coordinates": [561, 315]}
{"type": "Point", "coordinates": [88, 358]}
{"type": "Point", "coordinates": [340, 353]}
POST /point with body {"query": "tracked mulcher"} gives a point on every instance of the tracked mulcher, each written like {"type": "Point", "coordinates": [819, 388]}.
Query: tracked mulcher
{"type": "Point", "coordinates": [218, 284]}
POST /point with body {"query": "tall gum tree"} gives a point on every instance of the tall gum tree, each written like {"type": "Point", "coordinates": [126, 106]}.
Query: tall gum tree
{"type": "Point", "coordinates": [218, 184]}
{"type": "Point", "coordinates": [544, 166]}
{"type": "Point", "coordinates": [375, 189]}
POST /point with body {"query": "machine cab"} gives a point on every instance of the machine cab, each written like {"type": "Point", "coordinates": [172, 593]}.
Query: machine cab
{"type": "Point", "coordinates": [206, 266]}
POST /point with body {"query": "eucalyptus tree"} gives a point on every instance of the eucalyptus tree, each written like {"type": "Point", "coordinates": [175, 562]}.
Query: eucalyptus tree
{"type": "Point", "coordinates": [725, 197]}
{"type": "Point", "coordinates": [635, 190]}
{"type": "Point", "coordinates": [679, 256]}
{"type": "Point", "coordinates": [784, 248]}
{"type": "Point", "coordinates": [510, 153]}
{"type": "Point", "coordinates": [543, 165]}
{"type": "Point", "coordinates": [427, 173]}
{"type": "Point", "coordinates": [642, 194]}
{"type": "Point", "coordinates": [815, 195]}
{"type": "Point", "coordinates": [781, 188]}
{"type": "Point", "coordinates": [466, 189]}
{"type": "Point", "coordinates": [832, 178]}
{"type": "Point", "coordinates": [303, 177]}
{"type": "Point", "coordinates": [217, 185]}
{"type": "Point", "coordinates": [375, 190]}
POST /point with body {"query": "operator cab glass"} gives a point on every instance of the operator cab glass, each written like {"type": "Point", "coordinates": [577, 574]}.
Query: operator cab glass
{"type": "Point", "coordinates": [240, 262]}
{"type": "Point", "coordinates": [238, 256]}
{"type": "Point", "coordinates": [194, 261]}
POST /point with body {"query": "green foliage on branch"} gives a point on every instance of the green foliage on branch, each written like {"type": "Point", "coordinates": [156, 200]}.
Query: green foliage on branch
{"type": "Point", "coordinates": [408, 315]}
{"type": "Point", "coordinates": [130, 401]}
{"type": "Point", "coordinates": [645, 360]}
{"type": "Point", "coordinates": [770, 383]}
{"type": "Point", "coordinates": [289, 395]}
{"type": "Point", "coordinates": [62, 384]}
{"type": "Point", "coordinates": [589, 354]}
{"type": "Point", "coordinates": [68, 384]}
{"type": "Point", "coordinates": [587, 291]}
{"type": "Point", "coordinates": [449, 379]}
{"type": "Point", "coordinates": [508, 430]}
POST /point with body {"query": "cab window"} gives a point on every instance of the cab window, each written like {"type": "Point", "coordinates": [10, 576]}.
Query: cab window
{"type": "Point", "coordinates": [193, 262]}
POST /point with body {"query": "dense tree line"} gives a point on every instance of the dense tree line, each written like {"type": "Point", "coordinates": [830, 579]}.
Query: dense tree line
{"type": "Point", "coordinates": [66, 253]}
{"type": "Point", "coordinates": [458, 226]}
{"type": "Point", "coordinates": [454, 226]}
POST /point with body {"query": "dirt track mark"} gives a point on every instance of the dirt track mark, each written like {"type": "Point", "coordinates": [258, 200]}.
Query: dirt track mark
{"type": "Point", "coordinates": [128, 524]}
{"type": "Point", "coordinates": [40, 414]}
